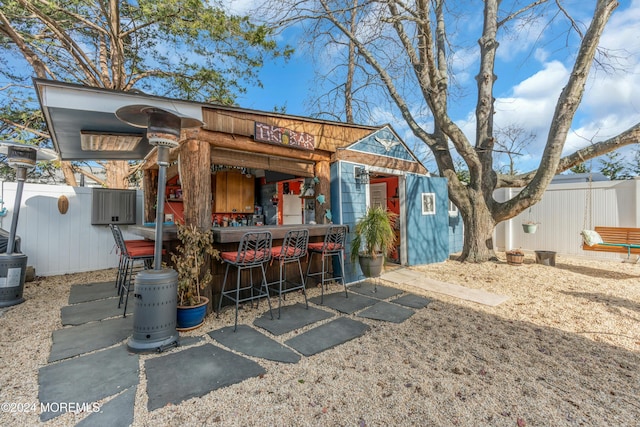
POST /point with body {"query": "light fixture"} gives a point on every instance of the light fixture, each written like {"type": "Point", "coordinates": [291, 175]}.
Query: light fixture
{"type": "Point", "coordinates": [155, 292]}
{"type": "Point", "coordinates": [13, 266]}
{"type": "Point", "coordinates": [362, 175]}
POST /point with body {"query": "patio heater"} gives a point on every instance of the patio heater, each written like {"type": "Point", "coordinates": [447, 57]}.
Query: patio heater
{"type": "Point", "coordinates": [155, 291]}
{"type": "Point", "coordinates": [13, 265]}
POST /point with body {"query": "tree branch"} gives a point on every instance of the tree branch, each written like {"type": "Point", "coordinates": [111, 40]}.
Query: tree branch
{"type": "Point", "coordinates": [628, 137]}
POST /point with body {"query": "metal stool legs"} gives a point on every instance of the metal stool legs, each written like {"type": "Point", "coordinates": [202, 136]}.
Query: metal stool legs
{"type": "Point", "coordinates": [294, 247]}
{"type": "Point", "coordinates": [333, 245]}
{"type": "Point", "coordinates": [254, 251]}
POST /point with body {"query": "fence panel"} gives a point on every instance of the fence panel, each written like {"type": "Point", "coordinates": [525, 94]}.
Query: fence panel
{"type": "Point", "coordinates": [55, 243]}
{"type": "Point", "coordinates": [565, 210]}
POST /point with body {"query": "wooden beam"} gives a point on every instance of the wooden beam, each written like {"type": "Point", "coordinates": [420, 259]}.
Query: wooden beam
{"type": "Point", "coordinates": [222, 156]}
{"type": "Point", "coordinates": [246, 144]}
{"type": "Point", "coordinates": [379, 161]}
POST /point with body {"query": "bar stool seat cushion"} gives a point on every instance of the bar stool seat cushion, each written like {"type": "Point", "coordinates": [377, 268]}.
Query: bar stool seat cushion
{"type": "Point", "coordinates": [131, 243]}
{"type": "Point", "coordinates": [291, 251]}
{"type": "Point", "coordinates": [320, 246]}
{"type": "Point", "coordinates": [232, 257]}
{"type": "Point", "coordinates": [140, 251]}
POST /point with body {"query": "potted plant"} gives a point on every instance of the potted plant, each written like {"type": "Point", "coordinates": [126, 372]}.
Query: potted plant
{"type": "Point", "coordinates": [374, 238]}
{"type": "Point", "coordinates": [530, 226]}
{"type": "Point", "coordinates": [190, 261]}
{"type": "Point", "coordinates": [515, 257]}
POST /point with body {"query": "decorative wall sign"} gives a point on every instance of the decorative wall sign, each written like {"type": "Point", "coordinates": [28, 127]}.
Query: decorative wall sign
{"type": "Point", "coordinates": [63, 204]}
{"type": "Point", "coordinates": [282, 136]}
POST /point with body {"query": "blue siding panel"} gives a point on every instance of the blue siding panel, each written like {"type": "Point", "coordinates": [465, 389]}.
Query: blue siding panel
{"type": "Point", "coordinates": [428, 235]}
{"type": "Point", "coordinates": [349, 206]}
{"type": "Point", "coordinates": [456, 236]}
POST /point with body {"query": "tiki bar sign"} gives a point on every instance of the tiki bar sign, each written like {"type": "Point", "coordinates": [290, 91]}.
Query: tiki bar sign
{"type": "Point", "coordinates": [281, 136]}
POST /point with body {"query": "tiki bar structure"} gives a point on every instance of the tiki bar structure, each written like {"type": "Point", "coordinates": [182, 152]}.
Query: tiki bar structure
{"type": "Point", "coordinates": [246, 169]}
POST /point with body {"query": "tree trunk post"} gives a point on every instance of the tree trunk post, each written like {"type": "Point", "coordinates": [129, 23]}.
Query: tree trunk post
{"type": "Point", "coordinates": [323, 172]}
{"type": "Point", "coordinates": [195, 175]}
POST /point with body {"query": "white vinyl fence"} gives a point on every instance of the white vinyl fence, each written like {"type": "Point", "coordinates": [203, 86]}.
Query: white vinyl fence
{"type": "Point", "coordinates": [565, 210]}
{"type": "Point", "coordinates": [60, 244]}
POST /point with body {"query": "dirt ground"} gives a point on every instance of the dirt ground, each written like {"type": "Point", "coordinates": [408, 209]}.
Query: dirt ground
{"type": "Point", "coordinates": [563, 350]}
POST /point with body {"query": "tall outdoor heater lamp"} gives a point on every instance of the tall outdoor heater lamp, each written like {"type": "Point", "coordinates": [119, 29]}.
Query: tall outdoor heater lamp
{"type": "Point", "coordinates": [13, 265]}
{"type": "Point", "coordinates": [155, 291]}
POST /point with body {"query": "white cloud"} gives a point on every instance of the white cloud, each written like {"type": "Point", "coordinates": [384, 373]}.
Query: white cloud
{"type": "Point", "coordinates": [242, 7]}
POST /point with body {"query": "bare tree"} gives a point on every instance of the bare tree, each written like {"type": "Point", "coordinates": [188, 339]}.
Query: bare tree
{"type": "Point", "coordinates": [512, 141]}
{"type": "Point", "coordinates": [179, 48]}
{"type": "Point", "coordinates": [407, 47]}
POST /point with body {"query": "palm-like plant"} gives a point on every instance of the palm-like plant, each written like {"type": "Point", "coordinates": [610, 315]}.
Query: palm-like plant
{"type": "Point", "coordinates": [374, 234]}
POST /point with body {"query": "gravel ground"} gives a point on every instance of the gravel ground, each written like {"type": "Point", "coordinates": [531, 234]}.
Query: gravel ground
{"type": "Point", "coordinates": [563, 350]}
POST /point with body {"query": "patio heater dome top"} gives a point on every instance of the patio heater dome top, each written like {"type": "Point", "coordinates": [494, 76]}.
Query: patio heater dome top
{"type": "Point", "coordinates": [163, 125]}
{"type": "Point", "coordinates": [23, 155]}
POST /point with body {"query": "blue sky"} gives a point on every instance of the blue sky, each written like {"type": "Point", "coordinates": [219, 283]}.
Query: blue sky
{"type": "Point", "coordinates": [532, 69]}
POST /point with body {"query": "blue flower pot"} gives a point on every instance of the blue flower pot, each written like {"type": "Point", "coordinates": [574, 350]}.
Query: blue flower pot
{"type": "Point", "coordinates": [193, 316]}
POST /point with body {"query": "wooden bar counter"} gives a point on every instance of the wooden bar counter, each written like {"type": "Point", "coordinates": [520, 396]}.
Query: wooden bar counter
{"type": "Point", "coordinates": [226, 239]}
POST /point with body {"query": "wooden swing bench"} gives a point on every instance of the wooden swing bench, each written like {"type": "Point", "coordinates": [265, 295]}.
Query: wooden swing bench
{"type": "Point", "coordinates": [624, 240]}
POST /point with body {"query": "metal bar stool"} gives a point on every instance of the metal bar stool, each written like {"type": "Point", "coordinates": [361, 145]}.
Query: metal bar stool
{"type": "Point", "coordinates": [130, 255]}
{"type": "Point", "coordinates": [129, 243]}
{"type": "Point", "coordinates": [294, 247]}
{"type": "Point", "coordinates": [254, 250]}
{"type": "Point", "coordinates": [333, 245]}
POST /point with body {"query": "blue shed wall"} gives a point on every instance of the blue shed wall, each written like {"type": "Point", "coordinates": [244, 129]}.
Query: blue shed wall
{"type": "Point", "coordinates": [349, 203]}
{"type": "Point", "coordinates": [456, 233]}
{"type": "Point", "coordinates": [427, 235]}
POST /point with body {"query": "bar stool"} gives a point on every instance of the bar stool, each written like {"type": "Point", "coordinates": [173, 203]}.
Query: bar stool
{"type": "Point", "coordinates": [294, 247]}
{"type": "Point", "coordinates": [129, 243]}
{"type": "Point", "coordinates": [254, 250]}
{"type": "Point", "coordinates": [333, 245]}
{"type": "Point", "coordinates": [130, 255]}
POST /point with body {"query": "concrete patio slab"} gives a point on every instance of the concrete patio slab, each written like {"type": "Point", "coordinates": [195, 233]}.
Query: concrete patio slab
{"type": "Point", "coordinates": [194, 372]}
{"type": "Point", "coordinates": [415, 278]}
{"type": "Point", "coordinates": [92, 292]}
{"type": "Point", "coordinates": [248, 341]}
{"type": "Point", "coordinates": [338, 301]}
{"type": "Point", "coordinates": [116, 412]}
{"type": "Point", "coordinates": [86, 379]}
{"type": "Point", "coordinates": [292, 317]}
{"type": "Point", "coordinates": [402, 275]}
{"type": "Point", "coordinates": [90, 311]}
{"type": "Point", "coordinates": [412, 301]}
{"type": "Point", "coordinates": [327, 336]}
{"type": "Point", "coordinates": [370, 289]}
{"type": "Point", "coordinates": [92, 336]}
{"type": "Point", "coordinates": [387, 312]}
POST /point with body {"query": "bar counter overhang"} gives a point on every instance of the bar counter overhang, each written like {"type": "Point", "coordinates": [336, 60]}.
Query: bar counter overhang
{"type": "Point", "coordinates": [223, 235]}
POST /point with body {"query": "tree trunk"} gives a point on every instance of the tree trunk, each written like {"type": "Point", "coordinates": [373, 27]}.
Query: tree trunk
{"type": "Point", "coordinates": [195, 174]}
{"type": "Point", "coordinates": [117, 174]}
{"type": "Point", "coordinates": [69, 176]}
{"type": "Point", "coordinates": [323, 172]}
{"type": "Point", "coordinates": [478, 233]}
{"type": "Point", "coordinates": [150, 189]}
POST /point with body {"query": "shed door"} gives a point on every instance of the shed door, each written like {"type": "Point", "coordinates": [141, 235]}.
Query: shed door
{"type": "Point", "coordinates": [427, 232]}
